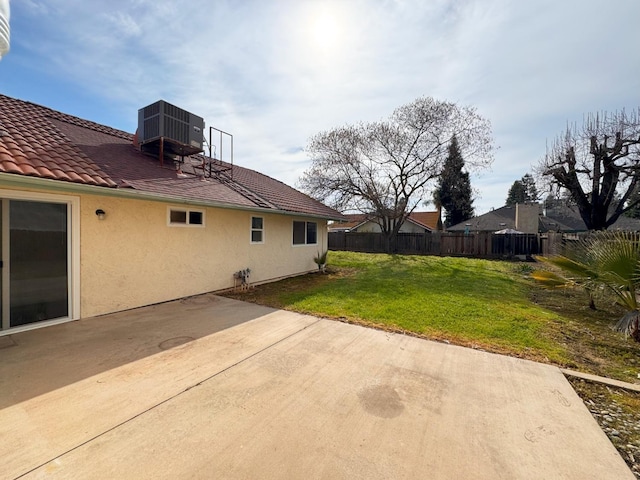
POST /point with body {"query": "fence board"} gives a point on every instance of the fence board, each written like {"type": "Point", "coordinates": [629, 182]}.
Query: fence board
{"type": "Point", "coordinates": [482, 245]}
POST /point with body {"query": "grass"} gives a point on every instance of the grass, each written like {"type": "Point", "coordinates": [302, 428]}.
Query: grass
{"type": "Point", "coordinates": [485, 304]}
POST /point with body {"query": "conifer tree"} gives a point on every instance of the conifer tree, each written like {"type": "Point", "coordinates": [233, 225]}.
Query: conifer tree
{"type": "Point", "coordinates": [516, 194]}
{"type": "Point", "coordinates": [634, 205]}
{"type": "Point", "coordinates": [522, 191]}
{"type": "Point", "coordinates": [453, 192]}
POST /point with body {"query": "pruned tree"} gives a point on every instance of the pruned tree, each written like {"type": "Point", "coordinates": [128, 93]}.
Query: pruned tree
{"type": "Point", "coordinates": [384, 169]}
{"type": "Point", "coordinates": [595, 160]}
{"type": "Point", "coordinates": [522, 191]}
{"type": "Point", "coordinates": [453, 192]}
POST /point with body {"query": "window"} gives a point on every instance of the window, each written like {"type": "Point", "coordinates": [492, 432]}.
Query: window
{"type": "Point", "coordinates": [184, 217]}
{"type": "Point", "coordinates": [257, 230]}
{"type": "Point", "coordinates": [305, 233]}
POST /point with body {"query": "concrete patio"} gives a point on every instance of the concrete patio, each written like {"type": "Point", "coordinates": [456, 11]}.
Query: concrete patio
{"type": "Point", "coordinates": [209, 387]}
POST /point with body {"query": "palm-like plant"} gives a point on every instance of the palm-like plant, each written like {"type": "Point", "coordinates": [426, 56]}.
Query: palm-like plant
{"type": "Point", "coordinates": [602, 261]}
{"type": "Point", "coordinates": [321, 260]}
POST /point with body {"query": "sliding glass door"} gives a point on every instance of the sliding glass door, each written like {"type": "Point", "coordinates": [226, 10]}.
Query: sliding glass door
{"type": "Point", "coordinates": [36, 261]}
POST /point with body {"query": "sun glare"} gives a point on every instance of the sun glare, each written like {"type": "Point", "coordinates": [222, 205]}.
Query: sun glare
{"type": "Point", "coordinates": [325, 30]}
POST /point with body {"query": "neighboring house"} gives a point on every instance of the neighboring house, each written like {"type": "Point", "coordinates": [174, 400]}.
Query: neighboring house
{"type": "Point", "coordinates": [92, 225]}
{"type": "Point", "coordinates": [418, 222]}
{"type": "Point", "coordinates": [534, 218]}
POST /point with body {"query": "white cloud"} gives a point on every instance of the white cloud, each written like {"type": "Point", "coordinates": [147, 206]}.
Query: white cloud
{"type": "Point", "coordinates": [265, 72]}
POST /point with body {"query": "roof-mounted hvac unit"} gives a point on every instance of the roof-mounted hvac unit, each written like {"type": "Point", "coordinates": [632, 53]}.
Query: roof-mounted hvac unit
{"type": "Point", "coordinates": [166, 129]}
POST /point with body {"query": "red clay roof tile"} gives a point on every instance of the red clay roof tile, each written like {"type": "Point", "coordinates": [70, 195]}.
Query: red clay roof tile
{"type": "Point", "coordinates": [49, 144]}
{"type": "Point", "coordinates": [10, 167]}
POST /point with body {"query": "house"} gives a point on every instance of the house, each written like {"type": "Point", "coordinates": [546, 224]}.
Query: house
{"type": "Point", "coordinates": [417, 222]}
{"type": "Point", "coordinates": [93, 223]}
{"type": "Point", "coordinates": [534, 218]}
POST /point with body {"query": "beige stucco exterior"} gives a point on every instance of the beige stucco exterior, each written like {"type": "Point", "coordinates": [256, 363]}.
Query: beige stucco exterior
{"type": "Point", "coordinates": [133, 257]}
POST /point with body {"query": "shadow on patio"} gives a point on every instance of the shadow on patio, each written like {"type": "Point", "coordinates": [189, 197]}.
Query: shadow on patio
{"type": "Point", "coordinates": [40, 361]}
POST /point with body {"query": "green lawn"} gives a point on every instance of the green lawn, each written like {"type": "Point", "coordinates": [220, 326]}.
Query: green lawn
{"type": "Point", "coordinates": [480, 303]}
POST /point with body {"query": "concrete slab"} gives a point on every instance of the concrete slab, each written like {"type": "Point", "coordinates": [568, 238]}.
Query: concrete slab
{"type": "Point", "coordinates": [259, 393]}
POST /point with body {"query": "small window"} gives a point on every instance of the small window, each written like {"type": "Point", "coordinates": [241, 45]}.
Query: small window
{"type": "Point", "coordinates": [184, 217]}
{"type": "Point", "coordinates": [305, 233]}
{"type": "Point", "coordinates": [257, 230]}
{"type": "Point", "coordinates": [299, 233]}
{"type": "Point", "coordinates": [312, 233]}
{"type": "Point", "coordinates": [195, 218]}
{"type": "Point", "coordinates": [178, 216]}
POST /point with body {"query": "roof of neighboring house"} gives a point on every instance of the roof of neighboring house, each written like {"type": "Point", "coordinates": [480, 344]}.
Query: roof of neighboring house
{"type": "Point", "coordinates": [428, 220]}
{"type": "Point", "coordinates": [37, 141]}
{"type": "Point", "coordinates": [354, 220]}
{"type": "Point", "coordinates": [499, 219]}
{"type": "Point", "coordinates": [555, 217]}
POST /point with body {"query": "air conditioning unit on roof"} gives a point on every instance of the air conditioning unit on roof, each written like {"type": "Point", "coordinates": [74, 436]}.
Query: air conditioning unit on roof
{"type": "Point", "coordinates": [180, 132]}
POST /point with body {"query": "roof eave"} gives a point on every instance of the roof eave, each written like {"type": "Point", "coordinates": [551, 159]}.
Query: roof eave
{"type": "Point", "coordinates": [23, 181]}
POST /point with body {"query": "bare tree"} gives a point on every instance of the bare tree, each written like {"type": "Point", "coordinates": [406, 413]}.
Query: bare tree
{"type": "Point", "coordinates": [594, 161]}
{"type": "Point", "coordinates": [384, 169]}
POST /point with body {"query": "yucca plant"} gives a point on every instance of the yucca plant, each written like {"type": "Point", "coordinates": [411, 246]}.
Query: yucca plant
{"type": "Point", "coordinates": [602, 262]}
{"type": "Point", "coordinates": [321, 260]}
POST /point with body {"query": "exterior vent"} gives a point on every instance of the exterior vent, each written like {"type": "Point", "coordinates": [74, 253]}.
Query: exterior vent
{"type": "Point", "coordinates": [179, 131]}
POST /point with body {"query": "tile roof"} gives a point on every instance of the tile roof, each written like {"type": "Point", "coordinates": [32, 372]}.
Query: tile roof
{"type": "Point", "coordinates": [556, 217]}
{"type": "Point", "coordinates": [31, 145]}
{"type": "Point", "coordinates": [353, 220]}
{"type": "Point", "coordinates": [428, 220]}
{"type": "Point", "coordinates": [40, 142]}
{"type": "Point", "coordinates": [498, 219]}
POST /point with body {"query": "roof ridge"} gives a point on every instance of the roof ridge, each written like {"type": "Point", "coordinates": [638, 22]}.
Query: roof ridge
{"type": "Point", "coordinates": [80, 122]}
{"type": "Point", "coordinates": [72, 119]}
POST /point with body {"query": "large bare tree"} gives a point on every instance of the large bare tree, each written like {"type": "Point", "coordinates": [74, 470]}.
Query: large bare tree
{"type": "Point", "coordinates": [599, 165]}
{"type": "Point", "coordinates": [384, 169]}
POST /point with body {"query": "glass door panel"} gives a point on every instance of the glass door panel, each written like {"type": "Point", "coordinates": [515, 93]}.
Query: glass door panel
{"type": "Point", "coordinates": [38, 262]}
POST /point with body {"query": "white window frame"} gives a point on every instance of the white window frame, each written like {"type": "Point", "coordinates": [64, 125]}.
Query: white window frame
{"type": "Point", "coordinates": [187, 212]}
{"type": "Point", "coordinates": [73, 255]}
{"type": "Point", "coordinates": [251, 230]}
{"type": "Point", "coordinates": [306, 233]}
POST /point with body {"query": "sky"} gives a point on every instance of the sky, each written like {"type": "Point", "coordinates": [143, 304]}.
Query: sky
{"type": "Point", "coordinates": [273, 73]}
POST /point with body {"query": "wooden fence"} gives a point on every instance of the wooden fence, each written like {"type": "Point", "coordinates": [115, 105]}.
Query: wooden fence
{"type": "Point", "coordinates": [481, 245]}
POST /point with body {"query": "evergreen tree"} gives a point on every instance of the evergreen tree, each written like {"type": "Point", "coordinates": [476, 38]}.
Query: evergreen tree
{"type": "Point", "coordinates": [530, 190]}
{"type": "Point", "coordinates": [634, 205]}
{"type": "Point", "coordinates": [453, 192]}
{"type": "Point", "coordinates": [516, 194]}
{"type": "Point", "coordinates": [522, 191]}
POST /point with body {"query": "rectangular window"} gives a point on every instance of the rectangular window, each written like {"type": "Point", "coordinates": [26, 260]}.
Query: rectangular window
{"type": "Point", "coordinates": [312, 233]}
{"type": "Point", "coordinates": [305, 233]}
{"type": "Point", "coordinates": [186, 217]}
{"type": "Point", "coordinates": [257, 230]}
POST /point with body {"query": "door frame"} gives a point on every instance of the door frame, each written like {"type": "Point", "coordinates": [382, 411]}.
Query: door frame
{"type": "Point", "coordinates": [73, 255]}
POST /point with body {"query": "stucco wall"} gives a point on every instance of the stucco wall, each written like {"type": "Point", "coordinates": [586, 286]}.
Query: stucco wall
{"type": "Point", "coordinates": [133, 258]}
